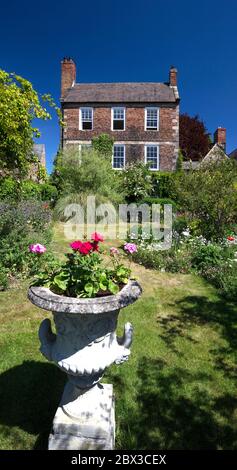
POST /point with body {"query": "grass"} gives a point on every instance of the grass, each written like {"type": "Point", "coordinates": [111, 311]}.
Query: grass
{"type": "Point", "coordinates": [177, 391]}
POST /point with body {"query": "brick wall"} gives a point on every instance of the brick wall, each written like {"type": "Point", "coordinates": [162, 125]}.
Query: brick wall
{"type": "Point", "coordinates": [167, 135]}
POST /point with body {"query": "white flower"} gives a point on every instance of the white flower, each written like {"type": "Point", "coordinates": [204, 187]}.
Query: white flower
{"type": "Point", "coordinates": [186, 233]}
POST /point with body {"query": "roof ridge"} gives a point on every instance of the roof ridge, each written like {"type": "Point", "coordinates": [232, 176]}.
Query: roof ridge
{"type": "Point", "coordinates": [120, 83]}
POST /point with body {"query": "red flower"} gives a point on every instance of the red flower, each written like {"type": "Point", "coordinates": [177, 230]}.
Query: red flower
{"type": "Point", "coordinates": [76, 245]}
{"type": "Point", "coordinates": [230, 238]}
{"type": "Point", "coordinates": [95, 246]}
{"type": "Point", "coordinates": [83, 247]}
{"type": "Point", "coordinates": [97, 237]}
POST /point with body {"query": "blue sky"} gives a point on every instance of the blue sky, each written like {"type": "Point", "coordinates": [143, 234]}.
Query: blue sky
{"type": "Point", "coordinates": [129, 40]}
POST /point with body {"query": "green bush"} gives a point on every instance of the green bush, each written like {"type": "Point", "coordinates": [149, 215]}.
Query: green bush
{"type": "Point", "coordinates": [206, 256]}
{"type": "Point", "coordinates": [3, 278]}
{"type": "Point", "coordinates": [208, 195]}
{"type": "Point", "coordinates": [30, 190]}
{"type": "Point", "coordinates": [162, 184]}
{"type": "Point", "coordinates": [149, 259]}
{"type": "Point", "coordinates": [136, 181]}
{"type": "Point", "coordinates": [8, 189]}
{"type": "Point", "coordinates": [180, 223]}
{"type": "Point", "coordinates": [156, 200]}
{"type": "Point", "coordinates": [226, 280]}
{"type": "Point", "coordinates": [49, 193]}
{"type": "Point", "coordinates": [21, 225]}
{"type": "Point", "coordinates": [87, 174]}
{"type": "Point", "coordinates": [12, 190]}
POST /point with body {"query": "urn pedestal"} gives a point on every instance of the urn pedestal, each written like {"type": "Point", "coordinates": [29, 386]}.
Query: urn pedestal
{"type": "Point", "coordinates": [84, 345]}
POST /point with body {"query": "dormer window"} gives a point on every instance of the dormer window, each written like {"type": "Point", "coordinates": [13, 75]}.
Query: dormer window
{"type": "Point", "coordinates": [118, 119]}
{"type": "Point", "coordinates": [86, 119]}
{"type": "Point", "coordinates": [151, 119]}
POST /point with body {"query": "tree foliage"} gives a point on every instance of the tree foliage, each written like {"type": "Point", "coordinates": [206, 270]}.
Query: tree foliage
{"type": "Point", "coordinates": [194, 139]}
{"type": "Point", "coordinates": [209, 197]}
{"type": "Point", "coordinates": [20, 104]}
{"type": "Point", "coordinates": [77, 176]}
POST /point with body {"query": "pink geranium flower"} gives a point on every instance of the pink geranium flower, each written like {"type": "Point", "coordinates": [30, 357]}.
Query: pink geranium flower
{"type": "Point", "coordinates": [37, 248]}
{"type": "Point", "coordinates": [97, 237]}
{"type": "Point", "coordinates": [83, 247]}
{"type": "Point", "coordinates": [114, 251]}
{"type": "Point", "coordinates": [130, 247]}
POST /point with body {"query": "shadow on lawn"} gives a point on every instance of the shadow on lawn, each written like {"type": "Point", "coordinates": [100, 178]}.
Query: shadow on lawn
{"type": "Point", "coordinates": [168, 418]}
{"type": "Point", "coordinates": [29, 396]}
{"type": "Point", "coordinates": [200, 310]}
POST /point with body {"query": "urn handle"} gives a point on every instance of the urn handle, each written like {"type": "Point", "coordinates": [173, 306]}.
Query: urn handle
{"type": "Point", "coordinates": [124, 342]}
{"type": "Point", "coordinates": [47, 338]}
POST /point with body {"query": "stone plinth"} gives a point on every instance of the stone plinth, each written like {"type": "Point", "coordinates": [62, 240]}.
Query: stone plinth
{"type": "Point", "coordinates": [94, 427]}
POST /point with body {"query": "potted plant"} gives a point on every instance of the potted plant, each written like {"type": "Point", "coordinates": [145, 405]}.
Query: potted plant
{"type": "Point", "coordinates": [85, 297]}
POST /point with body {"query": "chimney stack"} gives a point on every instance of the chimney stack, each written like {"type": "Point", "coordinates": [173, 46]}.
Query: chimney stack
{"type": "Point", "coordinates": [173, 76]}
{"type": "Point", "coordinates": [220, 137]}
{"type": "Point", "coordinates": [68, 75]}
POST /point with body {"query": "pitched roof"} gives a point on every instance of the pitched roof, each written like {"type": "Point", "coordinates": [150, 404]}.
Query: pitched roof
{"type": "Point", "coordinates": [214, 155]}
{"type": "Point", "coordinates": [121, 93]}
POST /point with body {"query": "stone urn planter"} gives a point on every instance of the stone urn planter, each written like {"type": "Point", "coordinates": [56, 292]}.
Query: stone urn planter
{"type": "Point", "coordinates": [84, 346]}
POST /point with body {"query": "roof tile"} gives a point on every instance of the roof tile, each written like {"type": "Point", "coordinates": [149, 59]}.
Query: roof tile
{"type": "Point", "coordinates": [120, 93]}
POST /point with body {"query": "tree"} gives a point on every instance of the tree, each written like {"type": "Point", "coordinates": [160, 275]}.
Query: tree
{"type": "Point", "coordinates": [209, 197]}
{"type": "Point", "coordinates": [194, 139]}
{"type": "Point", "coordinates": [89, 173]}
{"type": "Point", "coordinates": [20, 104]}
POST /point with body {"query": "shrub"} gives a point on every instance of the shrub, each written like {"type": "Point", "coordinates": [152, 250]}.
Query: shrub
{"type": "Point", "coordinates": [209, 196]}
{"type": "Point", "coordinates": [136, 182]}
{"type": "Point", "coordinates": [12, 190]}
{"type": "Point", "coordinates": [20, 225]}
{"type": "Point", "coordinates": [180, 223]}
{"type": "Point", "coordinates": [206, 256]}
{"type": "Point", "coordinates": [149, 258]}
{"type": "Point", "coordinates": [156, 200]}
{"type": "Point", "coordinates": [89, 174]}
{"type": "Point", "coordinates": [49, 193]}
{"type": "Point", "coordinates": [3, 278]}
{"type": "Point", "coordinates": [8, 189]}
{"type": "Point", "coordinates": [30, 190]}
{"type": "Point", "coordinates": [162, 184]}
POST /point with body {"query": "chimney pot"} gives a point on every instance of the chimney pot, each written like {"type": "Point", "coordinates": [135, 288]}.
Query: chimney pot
{"type": "Point", "coordinates": [68, 75]}
{"type": "Point", "coordinates": [220, 137]}
{"type": "Point", "coordinates": [173, 76]}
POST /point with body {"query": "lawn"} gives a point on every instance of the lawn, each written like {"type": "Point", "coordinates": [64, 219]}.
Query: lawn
{"type": "Point", "coordinates": [177, 391]}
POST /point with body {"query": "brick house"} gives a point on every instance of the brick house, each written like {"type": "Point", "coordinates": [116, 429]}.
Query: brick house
{"type": "Point", "coordinates": [142, 118]}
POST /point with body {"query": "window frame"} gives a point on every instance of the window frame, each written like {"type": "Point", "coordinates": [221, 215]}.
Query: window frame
{"type": "Point", "coordinates": [158, 155]}
{"type": "Point", "coordinates": [112, 118]}
{"type": "Point", "coordinates": [124, 157]}
{"type": "Point", "coordinates": [80, 118]}
{"type": "Point", "coordinates": [158, 118]}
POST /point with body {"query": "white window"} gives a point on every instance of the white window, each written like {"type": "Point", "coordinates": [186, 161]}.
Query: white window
{"type": "Point", "coordinates": [118, 162]}
{"type": "Point", "coordinates": [86, 119]}
{"type": "Point", "coordinates": [118, 119]}
{"type": "Point", "coordinates": [152, 156]}
{"type": "Point", "coordinates": [151, 119]}
{"type": "Point", "coordinates": [83, 148]}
